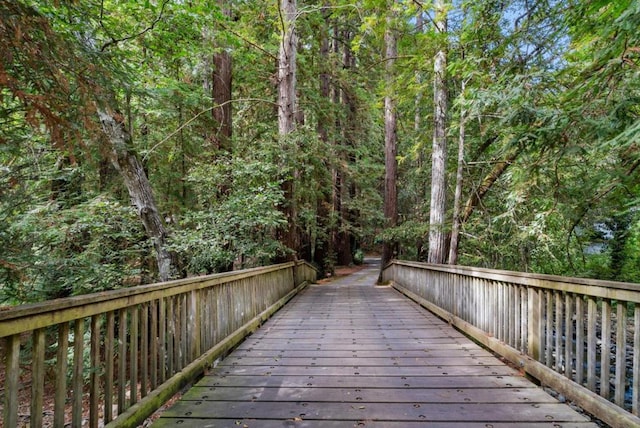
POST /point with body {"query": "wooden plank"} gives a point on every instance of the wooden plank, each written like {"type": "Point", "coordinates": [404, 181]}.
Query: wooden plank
{"type": "Point", "coordinates": [298, 423]}
{"type": "Point", "coordinates": [417, 412]}
{"type": "Point", "coordinates": [383, 352]}
{"type": "Point", "coordinates": [392, 382]}
{"type": "Point", "coordinates": [370, 395]}
{"type": "Point", "coordinates": [428, 361]}
{"type": "Point", "coordinates": [370, 371]}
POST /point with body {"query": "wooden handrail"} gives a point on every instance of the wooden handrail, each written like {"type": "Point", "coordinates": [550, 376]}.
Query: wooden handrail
{"type": "Point", "coordinates": [126, 348]}
{"type": "Point", "coordinates": [570, 333]}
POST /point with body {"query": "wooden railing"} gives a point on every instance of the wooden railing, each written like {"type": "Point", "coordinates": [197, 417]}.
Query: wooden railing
{"type": "Point", "coordinates": [121, 354]}
{"type": "Point", "coordinates": [579, 336]}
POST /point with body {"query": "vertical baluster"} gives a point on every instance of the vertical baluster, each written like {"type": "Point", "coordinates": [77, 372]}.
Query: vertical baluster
{"type": "Point", "coordinates": [171, 335]}
{"type": "Point", "coordinates": [495, 309]}
{"type": "Point", "coordinates": [153, 339]}
{"type": "Point", "coordinates": [548, 360]}
{"type": "Point", "coordinates": [557, 331]}
{"type": "Point", "coordinates": [524, 293]}
{"type": "Point", "coordinates": [109, 355]}
{"type": "Point", "coordinates": [591, 343]}
{"type": "Point", "coordinates": [78, 366]}
{"type": "Point", "coordinates": [517, 338]}
{"type": "Point", "coordinates": [61, 375]}
{"type": "Point", "coordinates": [511, 309]}
{"type": "Point", "coordinates": [184, 337]}
{"type": "Point", "coordinates": [621, 348]}
{"type": "Point", "coordinates": [37, 378]}
{"type": "Point", "coordinates": [144, 349]}
{"type": "Point", "coordinates": [502, 326]}
{"type": "Point", "coordinates": [94, 377]}
{"type": "Point", "coordinates": [605, 355]}
{"type": "Point", "coordinates": [133, 354]}
{"type": "Point", "coordinates": [213, 319]}
{"type": "Point", "coordinates": [194, 324]}
{"type": "Point", "coordinates": [579, 339]}
{"type": "Point", "coordinates": [162, 339]}
{"type": "Point", "coordinates": [122, 361]}
{"type": "Point", "coordinates": [635, 383]}
{"type": "Point", "coordinates": [568, 334]}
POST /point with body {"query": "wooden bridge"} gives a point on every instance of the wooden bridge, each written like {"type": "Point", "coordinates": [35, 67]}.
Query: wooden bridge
{"type": "Point", "coordinates": [350, 354]}
{"type": "Point", "coordinates": [347, 353]}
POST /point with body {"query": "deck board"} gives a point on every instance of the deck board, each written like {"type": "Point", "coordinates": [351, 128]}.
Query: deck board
{"type": "Point", "coordinates": [348, 354]}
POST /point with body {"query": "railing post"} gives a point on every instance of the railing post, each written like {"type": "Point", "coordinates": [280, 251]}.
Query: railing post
{"type": "Point", "coordinates": [534, 336]}
{"type": "Point", "coordinates": [12, 380]}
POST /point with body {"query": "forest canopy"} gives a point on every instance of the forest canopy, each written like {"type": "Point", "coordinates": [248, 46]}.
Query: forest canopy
{"type": "Point", "coordinates": [148, 140]}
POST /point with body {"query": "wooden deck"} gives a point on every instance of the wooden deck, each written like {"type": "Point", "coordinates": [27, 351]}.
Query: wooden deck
{"type": "Point", "coordinates": [350, 354]}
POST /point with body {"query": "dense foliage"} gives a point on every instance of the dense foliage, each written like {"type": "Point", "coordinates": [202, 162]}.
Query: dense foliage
{"type": "Point", "coordinates": [545, 96]}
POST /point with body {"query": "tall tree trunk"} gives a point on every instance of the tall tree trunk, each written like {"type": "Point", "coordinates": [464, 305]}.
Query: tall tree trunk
{"type": "Point", "coordinates": [287, 113]}
{"type": "Point", "coordinates": [344, 249]}
{"type": "Point", "coordinates": [135, 179]}
{"type": "Point", "coordinates": [437, 232]}
{"type": "Point", "coordinates": [323, 245]}
{"type": "Point", "coordinates": [390, 160]}
{"type": "Point", "coordinates": [221, 92]}
{"type": "Point", "coordinates": [417, 117]}
{"type": "Point", "coordinates": [455, 229]}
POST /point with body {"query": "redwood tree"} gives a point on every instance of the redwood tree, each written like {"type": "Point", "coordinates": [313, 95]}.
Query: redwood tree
{"type": "Point", "coordinates": [390, 140]}
{"type": "Point", "coordinates": [287, 114]}
{"type": "Point", "coordinates": [437, 232]}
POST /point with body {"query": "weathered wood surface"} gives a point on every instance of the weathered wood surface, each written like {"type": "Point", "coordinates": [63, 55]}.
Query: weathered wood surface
{"type": "Point", "coordinates": [351, 354]}
{"type": "Point", "coordinates": [579, 336]}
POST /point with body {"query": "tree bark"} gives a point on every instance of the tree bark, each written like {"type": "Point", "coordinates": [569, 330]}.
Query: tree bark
{"type": "Point", "coordinates": [221, 91]}
{"type": "Point", "coordinates": [489, 180]}
{"type": "Point", "coordinates": [135, 179]}
{"type": "Point", "coordinates": [222, 84]}
{"type": "Point", "coordinates": [437, 232]}
{"type": "Point", "coordinates": [323, 244]}
{"type": "Point", "coordinates": [457, 199]}
{"type": "Point", "coordinates": [390, 160]}
{"type": "Point", "coordinates": [287, 114]}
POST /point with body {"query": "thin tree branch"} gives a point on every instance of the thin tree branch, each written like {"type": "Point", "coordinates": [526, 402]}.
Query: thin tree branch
{"type": "Point", "coordinates": [184, 125]}
{"type": "Point", "coordinates": [115, 41]}
{"type": "Point", "coordinates": [249, 42]}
